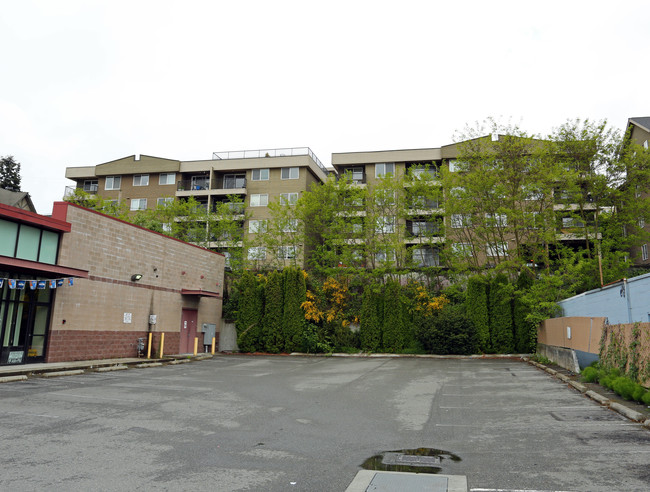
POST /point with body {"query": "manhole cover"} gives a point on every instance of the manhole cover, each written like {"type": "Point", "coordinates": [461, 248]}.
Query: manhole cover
{"type": "Point", "coordinates": [409, 459]}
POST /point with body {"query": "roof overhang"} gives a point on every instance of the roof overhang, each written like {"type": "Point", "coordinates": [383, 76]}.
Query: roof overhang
{"type": "Point", "coordinates": [33, 219]}
{"type": "Point", "coordinates": [16, 265]}
{"type": "Point", "coordinates": [200, 293]}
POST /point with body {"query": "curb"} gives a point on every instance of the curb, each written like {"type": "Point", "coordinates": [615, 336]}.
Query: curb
{"type": "Point", "coordinates": [55, 374]}
{"type": "Point", "coordinates": [11, 379]}
{"type": "Point", "coordinates": [603, 400]}
{"type": "Point", "coordinates": [119, 367]}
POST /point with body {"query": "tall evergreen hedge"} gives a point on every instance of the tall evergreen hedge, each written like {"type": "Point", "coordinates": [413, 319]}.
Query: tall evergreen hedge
{"type": "Point", "coordinates": [249, 313]}
{"type": "Point", "coordinates": [272, 325]}
{"type": "Point", "coordinates": [501, 329]}
{"type": "Point", "coordinates": [394, 336]}
{"type": "Point", "coordinates": [370, 326]}
{"type": "Point", "coordinates": [293, 322]}
{"type": "Point", "coordinates": [477, 311]}
{"type": "Point", "coordinates": [525, 331]}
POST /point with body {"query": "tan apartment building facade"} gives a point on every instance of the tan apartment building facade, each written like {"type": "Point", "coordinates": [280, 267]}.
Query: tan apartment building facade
{"type": "Point", "coordinates": [257, 178]}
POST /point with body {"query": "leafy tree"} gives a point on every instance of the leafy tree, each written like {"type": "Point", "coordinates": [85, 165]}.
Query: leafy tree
{"type": "Point", "coordinates": [9, 173]}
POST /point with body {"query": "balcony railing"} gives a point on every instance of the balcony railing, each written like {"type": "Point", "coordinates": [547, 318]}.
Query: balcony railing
{"type": "Point", "coordinates": [256, 154]}
{"type": "Point", "coordinates": [194, 183]}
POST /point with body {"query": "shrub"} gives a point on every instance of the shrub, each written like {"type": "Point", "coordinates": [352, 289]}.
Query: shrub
{"type": "Point", "coordinates": [590, 374]}
{"type": "Point", "coordinates": [624, 387]}
{"type": "Point", "coordinates": [646, 398]}
{"type": "Point", "coordinates": [449, 332]}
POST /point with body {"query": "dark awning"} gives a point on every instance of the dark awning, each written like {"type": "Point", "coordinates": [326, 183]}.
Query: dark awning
{"type": "Point", "coordinates": [199, 292]}
{"type": "Point", "coordinates": [16, 265]}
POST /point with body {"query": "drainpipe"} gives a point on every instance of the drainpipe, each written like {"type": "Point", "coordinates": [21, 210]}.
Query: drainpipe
{"type": "Point", "coordinates": [629, 302]}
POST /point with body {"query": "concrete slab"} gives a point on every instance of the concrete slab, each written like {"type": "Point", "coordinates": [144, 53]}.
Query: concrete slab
{"type": "Point", "coordinates": [380, 481]}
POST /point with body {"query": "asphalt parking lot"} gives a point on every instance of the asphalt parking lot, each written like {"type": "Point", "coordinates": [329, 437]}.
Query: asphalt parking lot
{"type": "Point", "coordinates": [308, 423]}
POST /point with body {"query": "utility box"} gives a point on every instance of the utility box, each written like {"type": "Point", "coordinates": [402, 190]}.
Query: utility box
{"type": "Point", "coordinates": [209, 332]}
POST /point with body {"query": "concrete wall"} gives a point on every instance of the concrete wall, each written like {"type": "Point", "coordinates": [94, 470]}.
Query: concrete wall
{"type": "Point", "coordinates": [571, 342]}
{"type": "Point", "coordinates": [88, 319]}
{"type": "Point", "coordinates": [622, 302]}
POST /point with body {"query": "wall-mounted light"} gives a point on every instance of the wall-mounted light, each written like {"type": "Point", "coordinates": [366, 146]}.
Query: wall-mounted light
{"type": "Point", "coordinates": [135, 277]}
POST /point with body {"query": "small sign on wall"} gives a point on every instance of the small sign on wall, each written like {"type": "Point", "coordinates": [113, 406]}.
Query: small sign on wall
{"type": "Point", "coordinates": [127, 317]}
{"type": "Point", "coordinates": [152, 319]}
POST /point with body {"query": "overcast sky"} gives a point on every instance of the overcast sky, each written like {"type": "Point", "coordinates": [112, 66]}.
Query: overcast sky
{"type": "Point", "coordinates": [86, 82]}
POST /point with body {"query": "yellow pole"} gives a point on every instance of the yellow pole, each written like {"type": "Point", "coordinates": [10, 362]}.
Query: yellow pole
{"type": "Point", "coordinates": [149, 346]}
{"type": "Point", "coordinates": [162, 344]}
{"type": "Point", "coordinates": [213, 342]}
{"type": "Point", "coordinates": [196, 344]}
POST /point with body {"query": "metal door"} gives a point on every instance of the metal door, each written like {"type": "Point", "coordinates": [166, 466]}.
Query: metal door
{"type": "Point", "coordinates": [188, 330]}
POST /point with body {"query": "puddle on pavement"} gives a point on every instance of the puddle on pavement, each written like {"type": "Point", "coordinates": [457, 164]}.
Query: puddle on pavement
{"type": "Point", "coordinates": [420, 460]}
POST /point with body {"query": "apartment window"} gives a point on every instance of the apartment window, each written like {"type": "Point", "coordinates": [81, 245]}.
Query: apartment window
{"type": "Point", "coordinates": [645, 144]}
{"type": "Point", "coordinates": [425, 257]}
{"type": "Point", "coordinates": [384, 256]}
{"type": "Point", "coordinates": [641, 222]}
{"type": "Point", "coordinates": [421, 202]}
{"type": "Point", "coordinates": [138, 203]}
{"type": "Point", "coordinates": [453, 166]}
{"type": "Point", "coordinates": [423, 228]}
{"type": "Point", "coordinates": [459, 221]}
{"type": "Point", "coordinates": [259, 200]}
{"type": "Point", "coordinates": [353, 202]}
{"type": "Point", "coordinates": [384, 168]}
{"type": "Point", "coordinates": [255, 226]}
{"type": "Point", "coordinates": [227, 256]}
{"type": "Point", "coordinates": [461, 249]}
{"type": "Point", "coordinates": [497, 249]}
{"type": "Point", "coordinates": [231, 181]}
{"type": "Point", "coordinates": [113, 182]}
{"type": "Point", "coordinates": [290, 173]}
{"type": "Point", "coordinates": [357, 228]}
{"type": "Point", "coordinates": [498, 220]}
{"type": "Point", "coordinates": [385, 225]}
{"type": "Point", "coordinates": [160, 202]}
{"type": "Point", "coordinates": [167, 179]}
{"type": "Point", "coordinates": [91, 186]}
{"type": "Point", "coordinates": [200, 182]}
{"type": "Point", "coordinates": [167, 228]}
{"type": "Point", "coordinates": [141, 180]}
{"type": "Point", "coordinates": [568, 222]}
{"type": "Point", "coordinates": [287, 252]}
{"type": "Point", "coordinates": [356, 173]}
{"type": "Point", "coordinates": [644, 252]}
{"type": "Point", "coordinates": [385, 198]}
{"type": "Point", "coordinates": [291, 225]}
{"type": "Point", "coordinates": [257, 253]}
{"type": "Point", "coordinates": [288, 198]}
{"type": "Point", "coordinates": [260, 175]}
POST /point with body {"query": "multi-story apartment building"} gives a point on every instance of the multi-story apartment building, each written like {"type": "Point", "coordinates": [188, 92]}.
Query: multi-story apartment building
{"type": "Point", "coordinates": [638, 132]}
{"type": "Point", "coordinates": [258, 178]}
{"type": "Point", "coordinates": [413, 227]}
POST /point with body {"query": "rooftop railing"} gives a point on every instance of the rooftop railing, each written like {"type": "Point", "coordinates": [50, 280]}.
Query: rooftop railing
{"type": "Point", "coordinates": [256, 154]}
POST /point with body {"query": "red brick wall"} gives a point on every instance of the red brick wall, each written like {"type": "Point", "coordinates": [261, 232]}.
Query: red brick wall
{"type": "Point", "coordinates": [68, 345]}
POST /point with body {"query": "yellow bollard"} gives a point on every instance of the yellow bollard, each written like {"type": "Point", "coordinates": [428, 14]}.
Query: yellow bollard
{"type": "Point", "coordinates": [213, 342]}
{"type": "Point", "coordinates": [162, 344]}
{"type": "Point", "coordinates": [149, 346]}
{"type": "Point", "coordinates": [196, 344]}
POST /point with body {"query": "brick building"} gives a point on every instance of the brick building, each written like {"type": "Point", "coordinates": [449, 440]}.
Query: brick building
{"type": "Point", "coordinates": [127, 281]}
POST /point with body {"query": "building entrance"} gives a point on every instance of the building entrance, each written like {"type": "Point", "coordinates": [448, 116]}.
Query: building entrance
{"type": "Point", "coordinates": [24, 320]}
